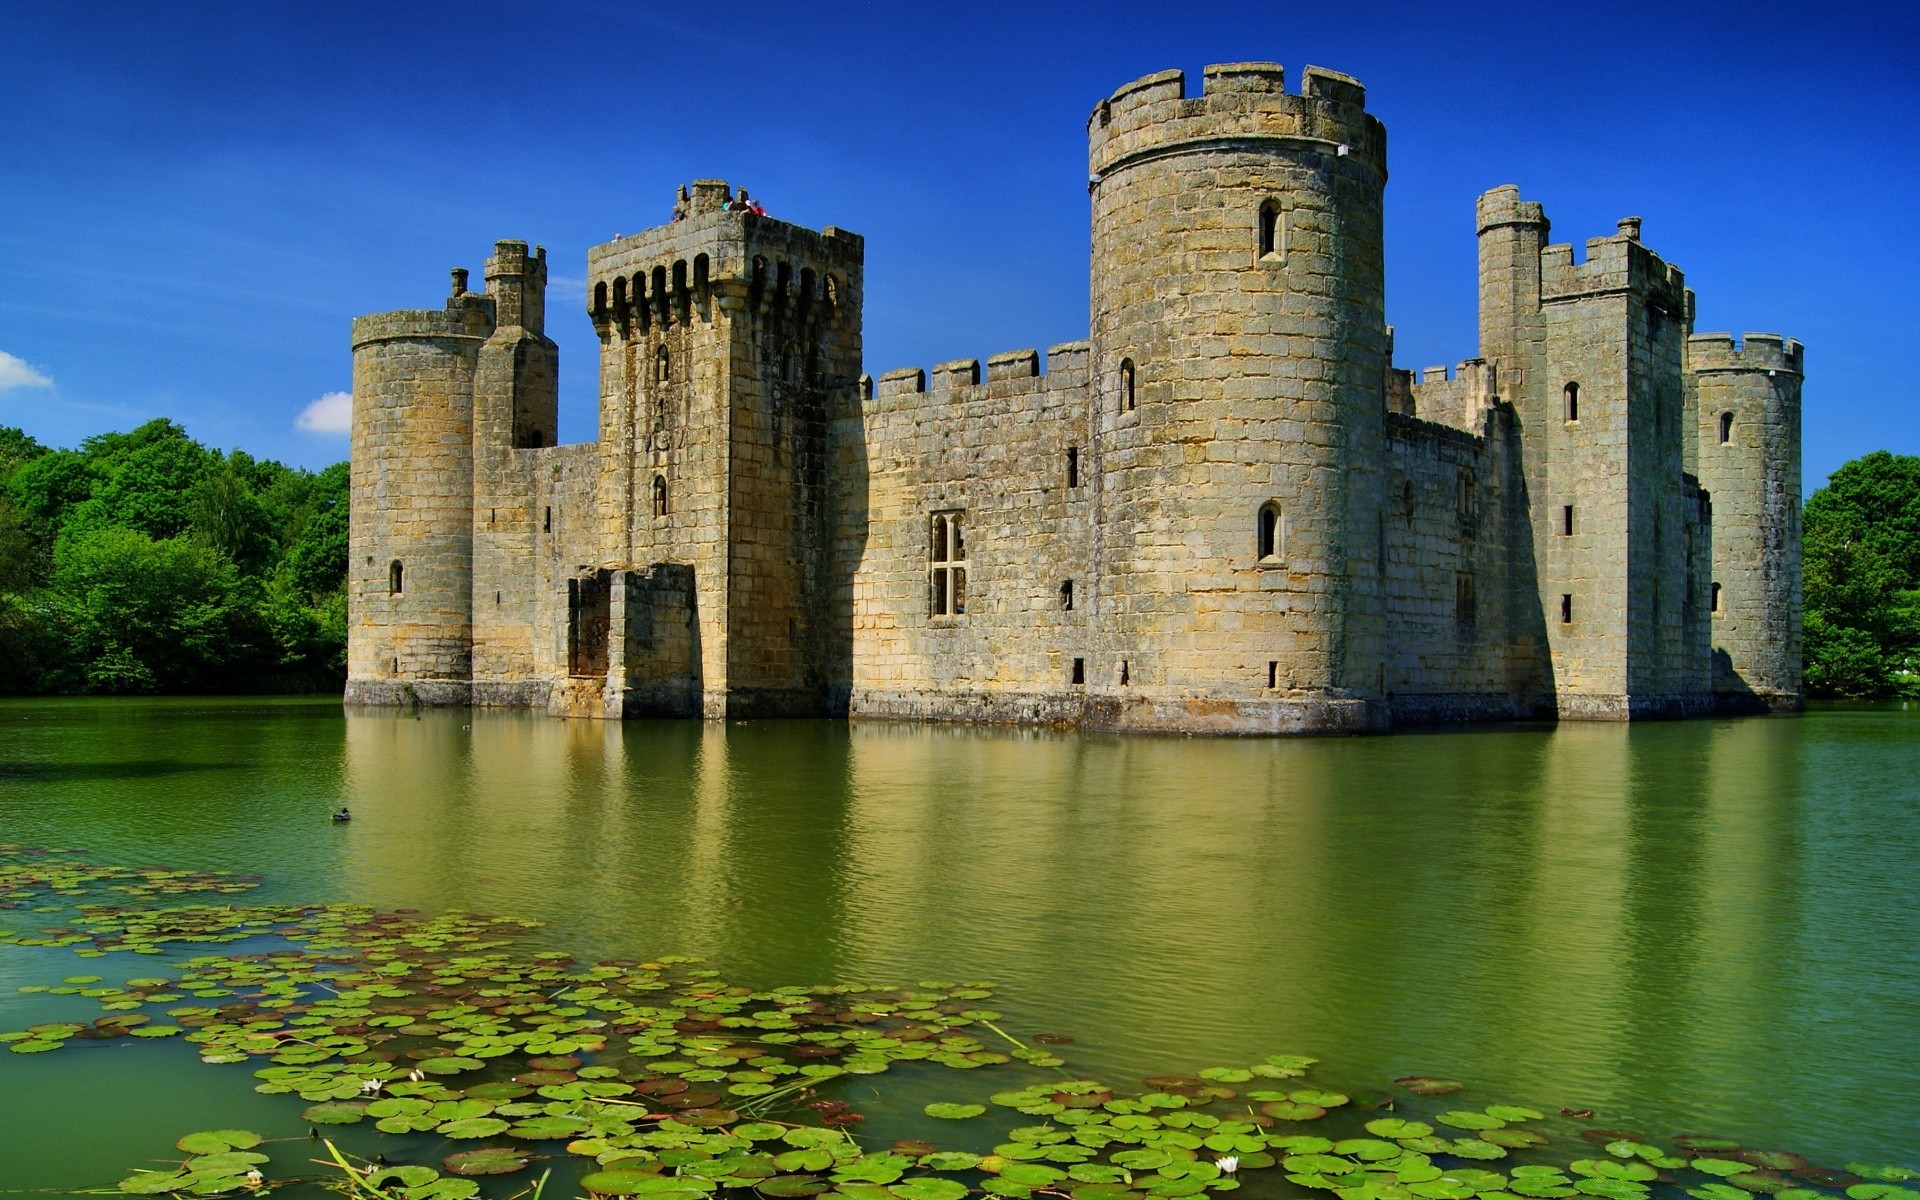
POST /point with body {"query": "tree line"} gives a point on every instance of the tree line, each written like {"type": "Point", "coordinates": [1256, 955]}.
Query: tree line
{"type": "Point", "coordinates": [147, 562]}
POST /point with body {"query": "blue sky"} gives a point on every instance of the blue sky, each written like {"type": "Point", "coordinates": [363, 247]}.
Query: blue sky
{"type": "Point", "coordinates": [195, 199]}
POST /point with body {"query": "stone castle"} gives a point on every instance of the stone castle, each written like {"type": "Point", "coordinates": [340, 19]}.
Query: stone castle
{"type": "Point", "coordinates": [1225, 512]}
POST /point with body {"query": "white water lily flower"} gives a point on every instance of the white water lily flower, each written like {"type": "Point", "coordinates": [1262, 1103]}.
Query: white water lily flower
{"type": "Point", "coordinates": [370, 1086]}
{"type": "Point", "coordinates": [416, 1075]}
{"type": "Point", "coordinates": [1228, 1165]}
{"type": "Point", "coordinates": [255, 1178]}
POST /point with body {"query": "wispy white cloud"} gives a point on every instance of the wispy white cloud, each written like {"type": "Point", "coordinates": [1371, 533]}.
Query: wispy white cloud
{"type": "Point", "coordinates": [15, 373]}
{"type": "Point", "coordinates": [331, 413]}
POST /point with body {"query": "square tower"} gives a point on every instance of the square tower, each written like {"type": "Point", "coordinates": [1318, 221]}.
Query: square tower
{"type": "Point", "coordinates": [727, 340]}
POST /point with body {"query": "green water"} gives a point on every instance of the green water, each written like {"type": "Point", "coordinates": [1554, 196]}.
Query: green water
{"type": "Point", "coordinates": [1703, 926]}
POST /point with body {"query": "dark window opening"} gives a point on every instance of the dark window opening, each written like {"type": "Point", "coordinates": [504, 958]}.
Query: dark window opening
{"type": "Point", "coordinates": [1713, 602]}
{"type": "Point", "coordinates": [659, 495]}
{"type": "Point", "coordinates": [589, 608]}
{"type": "Point", "coordinates": [1073, 466]}
{"type": "Point", "coordinates": [546, 523]}
{"type": "Point", "coordinates": [1126, 675]}
{"type": "Point", "coordinates": [1126, 385]}
{"type": "Point", "coordinates": [1079, 670]}
{"type": "Point", "coordinates": [1066, 596]}
{"type": "Point", "coordinates": [1269, 230]}
{"type": "Point", "coordinates": [534, 440]}
{"type": "Point", "coordinates": [1726, 427]}
{"type": "Point", "coordinates": [1566, 610]}
{"type": "Point", "coordinates": [1269, 536]}
{"type": "Point", "coordinates": [1463, 601]}
{"type": "Point", "coordinates": [1572, 394]}
{"type": "Point", "coordinates": [396, 578]}
{"type": "Point", "coordinates": [1464, 498]}
{"type": "Point", "coordinates": [1566, 520]}
{"type": "Point", "coordinates": [1273, 674]}
{"type": "Point", "coordinates": [662, 365]}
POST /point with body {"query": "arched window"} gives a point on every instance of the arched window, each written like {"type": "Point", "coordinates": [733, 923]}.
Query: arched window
{"type": "Point", "coordinates": [1270, 532]}
{"type": "Point", "coordinates": [1572, 394]}
{"type": "Point", "coordinates": [1066, 595]}
{"type": "Point", "coordinates": [396, 578]}
{"type": "Point", "coordinates": [947, 565]}
{"type": "Point", "coordinates": [662, 365]}
{"type": "Point", "coordinates": [1713, 605]}
{"type": "Point", "coordinates": [1726, 427]}
{"type": "Point", "coordinates": [659, 495]}
{"type": "Point", "coordinates": [1270, 230]}
{"type": "Point", "coordinates": [599, 298]}
{"type": "Point", "coordinates": [1126, 385]}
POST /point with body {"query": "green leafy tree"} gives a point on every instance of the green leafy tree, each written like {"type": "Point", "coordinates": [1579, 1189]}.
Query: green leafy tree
{"type": "Point", "coordinates": [1861, 567]}
{"type": "Point", "coordinates": [145, 561]}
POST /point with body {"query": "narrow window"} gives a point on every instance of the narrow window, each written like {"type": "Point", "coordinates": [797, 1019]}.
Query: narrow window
{"type": "Point", "coordinates": [1079, 670]}
{"type": "Point", "coordinates": [947, 564]}
{"type": "Point", "coordinates": [1269, 230]}
{"type": "Point", "coordinates": [1066, 596]}
{"type": "Point", "coordinates": [662, 365]}
{"type": "Point", "coordinates": [1572, 394]}
{"type": "Point", "coordinates": [546, 524]}
{"type": "Point", "coordinates": [1126, 385]}
{"type": "Point", "coordinates": [1073, 466]}
{"type": "Point", "coordinates": [1273, 674]}
{"type": "Point", "coordinates": [659, 495]}
{"type": "Point", "coordinates": [1566, 520]}
{"type": "Point", "coordinates": [1566, 610]}
{"type": "Point", "coordinates": [1726, 427]}
{"type": "Point", "coordinates": [1463, 497]}
{"type": "Point", "coordinates": [1126, 677]}
{"type": "Point", "coordinates": [1406, 500]}
{"type": "Point", "coordinates": [1713, 602]}
{"type": "Point", "coordinates": [1463, 604]}
{"type": "Point", "coordinates": [1268, 541]}
{"type": "Point", "coordinates": [396, 578]}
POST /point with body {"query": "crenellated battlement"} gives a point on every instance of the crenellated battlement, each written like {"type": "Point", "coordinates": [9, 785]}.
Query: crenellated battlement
{"type": "Point", "coordinates": [1754, 352]}
{"type": "Point", "coordinates": [1621, 263]}
{"type": "Point", "coordinates": [718, 249]}
{"type": "Point", "coordinates": [1011, 372]}
{"type": "Point", "coordinates": [1241, 103]}
{"type": "Point", "coordinates": [1503, 206]}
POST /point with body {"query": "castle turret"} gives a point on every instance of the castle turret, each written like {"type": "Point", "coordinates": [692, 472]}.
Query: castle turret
{"type": "Point", "coordinates": [410, 565]}
{"type": "Point", "coordinates": [1512, 232]}
{"type": "Point", "coordinates": [1746, 413]}
{"type": "Point", "coordinates": [1239, 357]}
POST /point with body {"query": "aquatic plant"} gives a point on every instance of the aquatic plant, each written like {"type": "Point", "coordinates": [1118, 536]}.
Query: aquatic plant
{"type": "Point", "coordinates": [673, 1084]}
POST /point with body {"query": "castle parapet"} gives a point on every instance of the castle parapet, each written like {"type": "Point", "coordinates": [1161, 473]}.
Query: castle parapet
{"type": "Point", "coordinates": [1620, 263]}
{"type": "Point", "coordinates": [1769, 352]}
{"type": "Point", "coordinates": [468, 315]}
{"type": "Point", "coordinates": [1241, 103]}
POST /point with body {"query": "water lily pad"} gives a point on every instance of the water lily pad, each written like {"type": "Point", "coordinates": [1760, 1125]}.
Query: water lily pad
{"type": "Point", "coordinates": [1394, 1127]}
{"type": "Point", "coordinates": [487, 1160]}
{"type": "Point", "coordinates": [1293, 1110]}
{"type": "Point", "coordinates": [787, 1186]}
{"type": "Point", "coordinates": [217, 1141]}
{"type": "Point", "coordinates": [334, 1112]}
{"type": "Point", "coordinates": [468, 1128]}
{"type": "Point", "coordinates": [1470, 1120]}
{"type": "Point", "coordinates": [451, 1064]}
{"type": "Point", "coordinates": [929, 1188]}
{"type": "Point", "coordinates": [951, 1112]}
{"type": "Point", "coordinates": [1511, 1112]}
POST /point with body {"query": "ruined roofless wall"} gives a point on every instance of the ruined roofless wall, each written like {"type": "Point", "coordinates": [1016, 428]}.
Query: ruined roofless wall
{"type": "Point", "coordinates": [1239, 361]}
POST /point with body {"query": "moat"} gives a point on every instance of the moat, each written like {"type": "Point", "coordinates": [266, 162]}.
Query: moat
{"type": "Point", "coordinates": [1700, 926]}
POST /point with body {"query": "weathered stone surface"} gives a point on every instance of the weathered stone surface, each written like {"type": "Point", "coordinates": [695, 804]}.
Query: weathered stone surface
{"type": "Point", "coordinates": [1225, 513]}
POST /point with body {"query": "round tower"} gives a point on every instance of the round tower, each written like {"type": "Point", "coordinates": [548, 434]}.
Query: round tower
{"type": "Point", "coordinates": [1747, 409]}
{"type": "Point", "coordinates": [1239, 342]}
{"type": "Point", "coordinates": [410, 542]}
